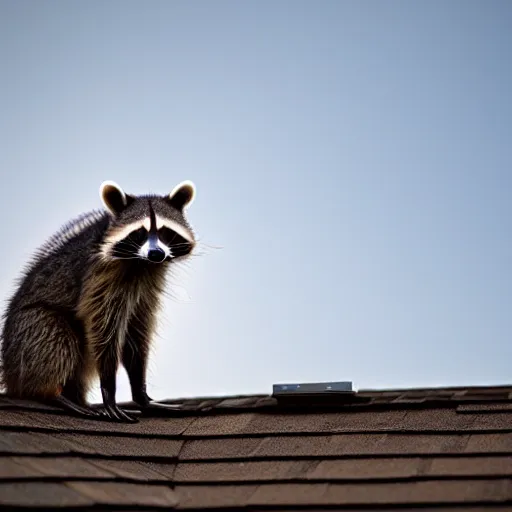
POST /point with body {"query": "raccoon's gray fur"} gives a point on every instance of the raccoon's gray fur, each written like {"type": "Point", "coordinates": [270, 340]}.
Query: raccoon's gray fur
{"type": "Point", "coordinates": [88, 301]}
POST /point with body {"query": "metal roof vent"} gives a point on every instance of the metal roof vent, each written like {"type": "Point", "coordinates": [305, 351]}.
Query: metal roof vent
{"type": "Point", "coordinates": [315, 394]}
{"type": "Point", "coordinates": [312, 388]}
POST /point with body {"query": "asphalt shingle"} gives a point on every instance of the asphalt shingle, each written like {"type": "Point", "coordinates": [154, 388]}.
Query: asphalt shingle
{"type": "Point", "coordinates": [435, 449]}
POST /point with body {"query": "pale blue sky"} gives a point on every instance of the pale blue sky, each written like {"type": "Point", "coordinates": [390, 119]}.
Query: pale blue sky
{"type": "Point", "coordinates": [352, 158]}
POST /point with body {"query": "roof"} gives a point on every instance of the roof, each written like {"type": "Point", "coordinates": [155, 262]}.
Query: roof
{"type": "Point", "coordinates": [438, 449]}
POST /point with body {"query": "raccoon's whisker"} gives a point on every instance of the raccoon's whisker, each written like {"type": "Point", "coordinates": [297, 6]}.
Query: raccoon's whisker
{"type": "Point", "coordinates": [177, 246]}
{"type": "Point", "coordinates": [194, 254]}
{"type": "Point", "coordinates": [199, 241]}
{"type": "Point", "coordinates": [126, 257]}
{"type": "Point", "coordinates": [205, 248]}
{"type": "Point", "coordinates": [131, 243]}
{"type": "Point", "coordinates": [124, 252]}
{"type": "Point", "coordinates": [127, 253]}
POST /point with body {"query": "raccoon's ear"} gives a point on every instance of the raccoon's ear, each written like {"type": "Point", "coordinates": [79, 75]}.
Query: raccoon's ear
{"type": "Point", "coordinates": [113, 197]}
{"type": "Point", "coordinates": [182, 195]}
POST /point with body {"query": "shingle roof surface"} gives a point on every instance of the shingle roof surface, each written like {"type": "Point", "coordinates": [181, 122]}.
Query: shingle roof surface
{"type": "Point", "coordinates": [438, 449]}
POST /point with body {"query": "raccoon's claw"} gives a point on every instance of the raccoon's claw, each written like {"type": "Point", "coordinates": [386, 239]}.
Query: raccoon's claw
{"type": "Point", "coordinates": [115, 413]}
{"type": "Point", "coordinates": [72, 407]}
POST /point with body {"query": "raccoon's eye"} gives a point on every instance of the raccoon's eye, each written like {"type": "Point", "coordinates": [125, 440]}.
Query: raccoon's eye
{"type": "Point", "coordinates": [134, 240]}
{"type": "Point", "coordinates": [130, 245]}
{"type": "Point", "coordinates": [179, 246]}
{"type": "Point", "coordinates": [139, 236]}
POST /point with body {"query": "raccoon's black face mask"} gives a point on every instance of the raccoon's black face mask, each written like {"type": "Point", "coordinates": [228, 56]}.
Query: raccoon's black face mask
{"type": "Point", "coordinates": [151, 228]}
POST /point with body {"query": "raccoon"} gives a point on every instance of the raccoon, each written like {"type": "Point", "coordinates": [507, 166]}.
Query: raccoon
{"type": "Point", "coordinates": [89, 300]}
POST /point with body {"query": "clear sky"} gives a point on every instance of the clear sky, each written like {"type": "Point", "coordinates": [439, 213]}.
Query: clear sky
{"type": "Point", "coordinates": [353, 162]}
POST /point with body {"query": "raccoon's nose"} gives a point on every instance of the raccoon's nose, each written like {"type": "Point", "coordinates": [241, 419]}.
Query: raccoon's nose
{"type": "Point", "coordinates": [156, 255]}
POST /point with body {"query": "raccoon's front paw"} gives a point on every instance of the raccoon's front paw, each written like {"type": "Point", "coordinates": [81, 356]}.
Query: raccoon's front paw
{"type": "Point", "coordinates": [115, 413]}
{"type": "Point", "coordinates": [112, 411]}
